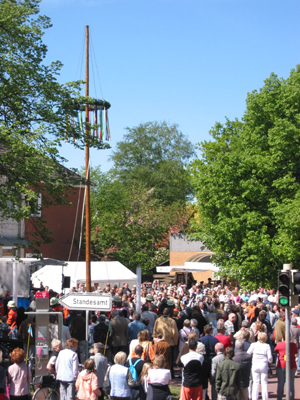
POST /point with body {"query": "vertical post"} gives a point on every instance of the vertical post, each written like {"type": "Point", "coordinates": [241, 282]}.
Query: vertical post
{"type": "Point", "coordinates": [287, 267]}
{"type": "Point", "coordinates": [87, 325]}
{"type": "Point", "coordinates": [87, 168]}
{"type": "Point", "coordinates": [138, 288]}
{"type": "Point", "coordinates": [15, 283]}
{"type": "Point", "coordinates": [288, 354]}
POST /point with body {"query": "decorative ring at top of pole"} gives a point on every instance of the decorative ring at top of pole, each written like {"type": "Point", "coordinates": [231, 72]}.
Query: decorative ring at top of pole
{"type": "Point", "coordinates": [89, 109]}
{"type": "Point", "coordinates": [100, 104]}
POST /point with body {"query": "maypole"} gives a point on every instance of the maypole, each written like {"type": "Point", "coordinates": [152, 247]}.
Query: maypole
{"type": "Point", "coordinates": [87, 169]}
{"type": "Point", "coordinates": [94, 120]}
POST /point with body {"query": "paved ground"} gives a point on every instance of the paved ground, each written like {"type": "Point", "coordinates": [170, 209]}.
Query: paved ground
{"type": "Point", "coordinates": [272, 386]}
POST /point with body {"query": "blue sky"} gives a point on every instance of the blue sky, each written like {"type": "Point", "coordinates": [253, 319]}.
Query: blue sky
{"type": "Point", "coordinates": [190, 62]}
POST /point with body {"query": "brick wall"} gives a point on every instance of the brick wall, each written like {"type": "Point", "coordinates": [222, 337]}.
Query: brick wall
{"type": "Point", "coordinates": [60, 221]}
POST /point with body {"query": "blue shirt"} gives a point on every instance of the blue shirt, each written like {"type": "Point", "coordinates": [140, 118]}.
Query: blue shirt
{"type": "Point", "coordinates": [134, 328]}
{"type": "Point", "coordinates": [245, 297]}
{"type": "Point", "coordinates": [209, 342]}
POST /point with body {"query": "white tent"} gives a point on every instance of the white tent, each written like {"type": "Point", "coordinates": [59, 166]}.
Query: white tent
{"type": "Point", "coordinates": [101, 272]}
{"type": "Point", "coordinates": [190, 267]}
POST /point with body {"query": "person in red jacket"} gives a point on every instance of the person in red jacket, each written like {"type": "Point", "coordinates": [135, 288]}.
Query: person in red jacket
{"type": "Point", "coordinates": [280, 349]}
{"type": "Point", "coordinates": [222, 338]}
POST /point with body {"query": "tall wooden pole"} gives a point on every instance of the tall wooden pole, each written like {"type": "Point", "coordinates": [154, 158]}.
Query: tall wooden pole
{"type": "Point", "coordinates": [87, 168]}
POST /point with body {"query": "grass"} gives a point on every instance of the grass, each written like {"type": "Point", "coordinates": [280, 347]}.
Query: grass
{"type": "Point", "coordinates": [175, 391]}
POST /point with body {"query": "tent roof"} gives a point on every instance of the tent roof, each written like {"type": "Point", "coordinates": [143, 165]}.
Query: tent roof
{"type": "Point", "coordinates": [101, 271]}
{"type": "Point", "coordinates": [110, 271]}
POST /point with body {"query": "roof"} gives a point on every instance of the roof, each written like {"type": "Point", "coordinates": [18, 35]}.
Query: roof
{"type": "Point", "coordinates": [68, 173]}
{"type": "Point", "coordinates": [190, 267]}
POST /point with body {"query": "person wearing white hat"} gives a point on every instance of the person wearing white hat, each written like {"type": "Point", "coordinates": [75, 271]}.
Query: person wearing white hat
{"type": "Point", "coordinates": [12, 314]}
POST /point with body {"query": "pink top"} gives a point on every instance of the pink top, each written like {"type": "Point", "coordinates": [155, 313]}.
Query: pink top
{"type": "Point", "coordinates": [19, 378]}
{"type": "Point", "coordinates": [87, 385]}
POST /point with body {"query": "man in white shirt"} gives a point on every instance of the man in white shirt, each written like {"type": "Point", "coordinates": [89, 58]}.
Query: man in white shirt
{"type": "Point", "coordinates": [67, 370]}
{"type": "Point", "coordinates": [253, 296]}
{"type": "Point", "coordinates": [272, 296]}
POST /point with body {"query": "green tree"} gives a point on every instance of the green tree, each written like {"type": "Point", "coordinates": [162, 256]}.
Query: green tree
{"type": "Point", "coordinates": [34, 113]}
{"type": "Point", "coordinates": [128, 222]}
{"type": "Point", "coordinates": [155, 154]}
{"type": "Point", "coordinates": [247, 185]}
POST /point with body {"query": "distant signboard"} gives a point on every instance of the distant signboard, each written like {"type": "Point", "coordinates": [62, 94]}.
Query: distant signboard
{"type": "Point", "coordinates": [87, 301]}
{"type": "Point", "coordinates": [42, 301]}
{"type": "Point", "coordinates": [42, 295]}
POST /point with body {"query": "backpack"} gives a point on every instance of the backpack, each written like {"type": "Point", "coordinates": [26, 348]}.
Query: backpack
{"type": "Point", "coordinates": [133, 370]}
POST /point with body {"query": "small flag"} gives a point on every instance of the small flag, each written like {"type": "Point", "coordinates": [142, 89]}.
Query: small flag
{"type": "Point", "coordinates": [30, 330]}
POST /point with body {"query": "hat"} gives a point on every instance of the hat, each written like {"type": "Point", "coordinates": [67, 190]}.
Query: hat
{"type": "Point", "coordinates": [53, 301]}
{"type": "Point", "coordinates": [297, 312]}
{"type": "Point", "coordinates": [116, 299]}
{"type": "Point", "coordinates": [11, 304]}
{"type": "Point", "coordinates": [170, 303]}
{"type": "Point", "coordinates": [149, 297]}
{"type": "Point", "coordinates": [253, 302]}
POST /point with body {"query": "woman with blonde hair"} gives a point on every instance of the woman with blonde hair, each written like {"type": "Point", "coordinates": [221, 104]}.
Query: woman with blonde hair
{"type": "Point", "coordinates": [120, 378]}
{"type": "Point", "coordinates": [257, 327]}
{"type": "Point", "coordinates": [142, 381]}
{"type": "Point", "coordinates": [144, 340]}
{"type": "Point", "coordinates": [261, 357]}
{"type": "Point", "coordinates": [158, 380]}
{"type": "Point", "coordinates": [185, 347]}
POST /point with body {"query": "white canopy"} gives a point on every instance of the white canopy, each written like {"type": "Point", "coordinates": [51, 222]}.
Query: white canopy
{"type": "Point", "coordinates": [190, 267]}
{"type": "Point", "coordinates": [101, 272]}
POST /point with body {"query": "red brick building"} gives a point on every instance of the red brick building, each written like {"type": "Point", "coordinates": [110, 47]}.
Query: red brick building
{"type": "Point", "coordinates": [64, 223]}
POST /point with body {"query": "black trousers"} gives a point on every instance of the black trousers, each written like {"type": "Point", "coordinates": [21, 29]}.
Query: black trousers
{"type": "Point", "coordinates": [173, 349]}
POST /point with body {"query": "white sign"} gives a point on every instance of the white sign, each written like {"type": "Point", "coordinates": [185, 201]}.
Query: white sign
{"type": "Point", "coordinates": [87, 301]}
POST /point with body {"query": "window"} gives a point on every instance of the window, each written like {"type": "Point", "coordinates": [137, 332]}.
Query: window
{"type": "Point", "coordinates": [36, 206]}
{"type": "Point", "coordinates": [9, 251]}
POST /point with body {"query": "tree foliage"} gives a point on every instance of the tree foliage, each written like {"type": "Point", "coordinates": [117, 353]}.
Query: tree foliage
{"type": "Point", "coordinates": [155, 154]}
{"type": "Point", "coordinates": [128, 222]}
{"type": "Point", "coordinates": [34, 110]}
{"type": "Point", "coordinates": [247, 185]}
{"type": "Point", "coordinates": [143, 195]}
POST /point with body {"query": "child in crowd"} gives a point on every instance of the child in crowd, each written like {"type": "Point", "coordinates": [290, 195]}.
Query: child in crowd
{"type": "Point", "coordinates": [87, 382]}
{"type": "Point", "coordinates": [142, 382]}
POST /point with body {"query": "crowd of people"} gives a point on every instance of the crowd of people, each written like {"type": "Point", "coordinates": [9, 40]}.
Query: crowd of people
{"type": "Point", "coordinates": [221, 340]}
